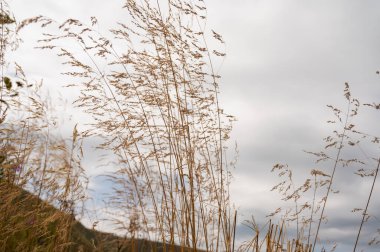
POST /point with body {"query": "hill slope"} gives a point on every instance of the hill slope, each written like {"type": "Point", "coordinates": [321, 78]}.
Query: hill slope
{"type": "Point", "coordinates": [28, 223]}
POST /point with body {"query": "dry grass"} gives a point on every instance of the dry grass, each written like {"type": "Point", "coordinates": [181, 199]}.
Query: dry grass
{"type": "Point", "coordinates": [156, 108]}
{"type": "Point", "coordinates": [309, 216]}
{"type": "Point", "coordinates": [33, 158]}
{"type": "Point", "coordinates": [152, 90]}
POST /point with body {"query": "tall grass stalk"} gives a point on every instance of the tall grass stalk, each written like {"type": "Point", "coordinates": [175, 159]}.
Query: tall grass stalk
{"type": "Point", "coordinates": [367, 204]}
{"type": "Point", "coordinates": [337, 158]}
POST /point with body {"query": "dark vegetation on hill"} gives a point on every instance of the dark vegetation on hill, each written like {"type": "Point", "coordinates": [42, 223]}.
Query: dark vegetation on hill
{"type": "Point", "coordinates": [35, 225]}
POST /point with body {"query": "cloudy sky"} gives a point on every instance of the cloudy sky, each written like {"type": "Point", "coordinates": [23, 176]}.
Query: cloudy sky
{"type": "Point", "coordinates": [286, 60]}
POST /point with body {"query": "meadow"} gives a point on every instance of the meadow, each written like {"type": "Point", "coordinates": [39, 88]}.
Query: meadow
{"type": "Point", "coordinates": [150, 91]}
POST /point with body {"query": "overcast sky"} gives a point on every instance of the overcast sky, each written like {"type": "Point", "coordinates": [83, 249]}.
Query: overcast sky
{"type": "Point", "coordinates": [286, 60]}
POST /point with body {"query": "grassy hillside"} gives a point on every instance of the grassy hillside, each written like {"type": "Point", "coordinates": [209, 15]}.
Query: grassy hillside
{"type": "Point", "coordinates": [30, 224]}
